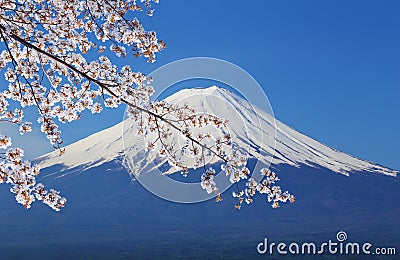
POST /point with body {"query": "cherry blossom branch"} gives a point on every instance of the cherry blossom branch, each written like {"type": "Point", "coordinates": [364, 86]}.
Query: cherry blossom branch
{"type": "Point", "coordinates": [58, 33]}
{"type": "Point", "coordinates": [103, 86]}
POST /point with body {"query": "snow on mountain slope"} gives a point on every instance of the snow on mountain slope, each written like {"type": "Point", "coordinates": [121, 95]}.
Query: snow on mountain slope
{"type": "Point", "coordinates": [256, 130]}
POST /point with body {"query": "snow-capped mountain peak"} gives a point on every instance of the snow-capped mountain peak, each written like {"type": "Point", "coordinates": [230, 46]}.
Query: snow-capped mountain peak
{"type": "Point", "coordinates": [265, 138]}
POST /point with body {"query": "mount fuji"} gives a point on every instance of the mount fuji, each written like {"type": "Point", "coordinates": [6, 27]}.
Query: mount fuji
{"type": "Point", "coordinates": [263, 136]}
{"type": "Point", "coordinates": [109, 215]}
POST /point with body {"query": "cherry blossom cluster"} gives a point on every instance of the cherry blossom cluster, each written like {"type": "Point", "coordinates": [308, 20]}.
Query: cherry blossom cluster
{"type": "Point", "coordinates": [47, 42]}
{"type": "Point", "coordinates": [265, 186]}
{"type": "Point", "coordinates": [44, 55]}
{"type": "Point", "coordinates": [21, 175]}
{"type": "Point", "coordinates": [64, 26]}
{"type": "Point", "coordinates": [208, 183]}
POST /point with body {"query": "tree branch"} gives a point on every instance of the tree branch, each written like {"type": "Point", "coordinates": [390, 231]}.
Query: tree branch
{"type": "Point", "coordinates": [103, 86]}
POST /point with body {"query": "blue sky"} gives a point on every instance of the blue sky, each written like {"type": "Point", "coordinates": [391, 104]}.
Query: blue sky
{"type": "Point", "coordinates": [331, 69]}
